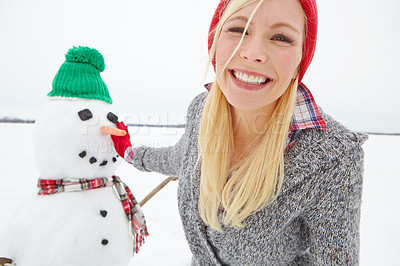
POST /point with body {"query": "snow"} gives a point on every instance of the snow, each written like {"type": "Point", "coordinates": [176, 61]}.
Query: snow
{"type": "Point", "coordinates": [166, 245]}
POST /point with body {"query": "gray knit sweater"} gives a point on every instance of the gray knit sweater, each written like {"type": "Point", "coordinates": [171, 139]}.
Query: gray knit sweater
{"type": "Point", "coordinates": [315, 219]}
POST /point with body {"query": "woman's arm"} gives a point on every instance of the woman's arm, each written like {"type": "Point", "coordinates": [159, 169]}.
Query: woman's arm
{"type": "Point", "coordinates": [334, 219]}
{"type": "Point", "coordinates": [168, 160]}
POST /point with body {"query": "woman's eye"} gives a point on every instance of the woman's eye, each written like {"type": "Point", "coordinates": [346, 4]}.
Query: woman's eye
{"type": "Point", "coordinates": [281, 38]}
{"type": "Point", "coordinates": [237, 30]}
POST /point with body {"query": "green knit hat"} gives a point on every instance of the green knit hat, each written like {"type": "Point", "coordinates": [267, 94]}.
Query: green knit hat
{"type": "Point", "coordinates": [79, 76]}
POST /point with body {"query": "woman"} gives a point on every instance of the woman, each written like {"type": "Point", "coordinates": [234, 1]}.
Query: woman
{"type": "Point", "coordinates": [265, 178]}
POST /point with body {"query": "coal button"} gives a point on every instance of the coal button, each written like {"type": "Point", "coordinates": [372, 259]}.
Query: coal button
{"type": "Point", "coordinates": [104, 241]}
{"type": "Point", "coordinates": [103, 213]}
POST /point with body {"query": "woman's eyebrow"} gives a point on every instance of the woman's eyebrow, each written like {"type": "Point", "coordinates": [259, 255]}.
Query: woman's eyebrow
{"type": "Point", "coordinates": [284, 24]}
{"type": "Point", "coordinates": [276, 25]}
{"type": "Point", "coordinates": [242, 18]}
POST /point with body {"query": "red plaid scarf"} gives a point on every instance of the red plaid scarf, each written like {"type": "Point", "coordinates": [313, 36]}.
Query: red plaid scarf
{"type": "Point", "coordinates": [131, 207]}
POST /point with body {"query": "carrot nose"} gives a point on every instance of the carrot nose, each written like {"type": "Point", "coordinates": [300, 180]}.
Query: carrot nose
{"type": "Point", "coordinates": [112, 131]}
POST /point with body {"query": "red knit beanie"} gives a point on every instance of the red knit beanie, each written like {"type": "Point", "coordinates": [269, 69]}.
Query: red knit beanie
{"type": "Point", "coordinates": [310, 9]}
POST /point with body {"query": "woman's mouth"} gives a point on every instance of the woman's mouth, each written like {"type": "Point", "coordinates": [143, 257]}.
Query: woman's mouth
{"type": "Point", "coordinates": [249, 81]}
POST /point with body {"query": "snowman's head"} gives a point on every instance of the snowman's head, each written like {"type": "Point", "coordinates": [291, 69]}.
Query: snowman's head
{"type": "Point", "coordinates": [68, 142]}
{"type": "Point", "coordinates": [67, 139]}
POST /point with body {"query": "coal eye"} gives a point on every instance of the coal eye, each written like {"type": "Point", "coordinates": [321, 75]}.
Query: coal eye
{"type": "Point", "coordinates": [85, 114]}
{"type": "Point", "coordinates": [112, 117]}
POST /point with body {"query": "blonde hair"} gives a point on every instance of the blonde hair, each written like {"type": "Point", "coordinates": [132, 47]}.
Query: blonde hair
{"type": "Point", "coordinates": [258, 179]}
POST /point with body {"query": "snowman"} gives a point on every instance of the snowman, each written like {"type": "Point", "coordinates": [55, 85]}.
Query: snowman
{"type": "Point", "coordinates": [82, 213]}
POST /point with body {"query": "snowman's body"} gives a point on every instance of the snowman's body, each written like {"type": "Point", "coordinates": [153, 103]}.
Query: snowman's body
{"type": "Point", "coordinates": [72, 228]}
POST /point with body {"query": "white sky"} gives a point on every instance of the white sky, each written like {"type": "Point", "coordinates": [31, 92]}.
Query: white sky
{"type": "Point", "coordinates": [155, 53]}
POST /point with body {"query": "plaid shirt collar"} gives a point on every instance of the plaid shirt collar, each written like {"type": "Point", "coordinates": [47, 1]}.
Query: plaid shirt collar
{"type": "Point", "coordinates": [306, 113]}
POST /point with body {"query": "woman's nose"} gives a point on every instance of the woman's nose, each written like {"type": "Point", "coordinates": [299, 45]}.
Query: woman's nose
{"type": "Point", "coordinates": [253, 50]}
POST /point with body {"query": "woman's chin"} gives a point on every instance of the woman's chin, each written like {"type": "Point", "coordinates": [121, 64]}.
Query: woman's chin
{"type": "Point", "coordinates": [248, 104]}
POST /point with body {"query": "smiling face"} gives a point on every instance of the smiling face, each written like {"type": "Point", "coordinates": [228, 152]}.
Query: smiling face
{"type": "Point", "coordinates": [267, 59]}
{"type": "Point", "coordinates": [68, 142]}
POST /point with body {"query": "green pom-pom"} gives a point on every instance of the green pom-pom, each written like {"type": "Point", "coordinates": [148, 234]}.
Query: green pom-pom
{"type": "Point", "coordinates": [88, 55]}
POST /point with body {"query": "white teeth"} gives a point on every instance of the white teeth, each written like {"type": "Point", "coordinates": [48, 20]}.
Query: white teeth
{"type": "Point", "coordinates": [249, 79]}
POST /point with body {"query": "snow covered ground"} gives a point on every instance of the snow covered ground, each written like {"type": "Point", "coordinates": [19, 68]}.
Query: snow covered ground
{"type": "Point", "coordinates": [380, 232]}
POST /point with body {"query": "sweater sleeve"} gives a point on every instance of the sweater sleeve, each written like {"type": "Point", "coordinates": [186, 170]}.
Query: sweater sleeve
{"type": "Point", "coordinates": [334, 218]}
{"type": "Point", "coordinates": [168, 160]}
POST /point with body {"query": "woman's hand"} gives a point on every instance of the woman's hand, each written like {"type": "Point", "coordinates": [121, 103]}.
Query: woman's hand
{"type": "Point", "coordinates": [121, 143]}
